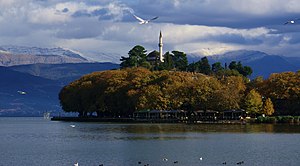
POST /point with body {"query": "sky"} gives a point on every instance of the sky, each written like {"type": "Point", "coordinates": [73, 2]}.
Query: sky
{"type": "Point", "coordinates": [206, 27]}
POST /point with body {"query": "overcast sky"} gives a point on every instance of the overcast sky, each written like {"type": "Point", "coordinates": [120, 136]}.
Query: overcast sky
{"type": "Point", "coordinates": [192, 26]}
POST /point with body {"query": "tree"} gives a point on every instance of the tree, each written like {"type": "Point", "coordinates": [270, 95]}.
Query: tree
{"type": "Point", "coordinates": [229, 95]}
{"type": "Point", "coordinates": [153, 59]}
{"type": "Point", "coordinates": [180, 60]}
{"type": "Point", "coordinates": [253, 103]}
{"type": "Point", "coordinates": [137, 57]}
{"type": "Point", "coordinates": [216, 67]}
{"type": "Point", "coordinates": [168, 63]}
{"type": "Point", "coordinates": [201, 66]}
{"type": "Point", "coordinates": [257, 84]}
{"type": "Point", "coordinates": [244, 70]}
{"type": "Point", "coordinates": [192, 67]}
{"type": "Point", "coordinates": [284, 90]}
{"type": "Point", "coordinates": [204, 66]}
{"type": "Point", "coordinates": [268, 108]}
{"type": "Point", "coordinates": [233, 66]}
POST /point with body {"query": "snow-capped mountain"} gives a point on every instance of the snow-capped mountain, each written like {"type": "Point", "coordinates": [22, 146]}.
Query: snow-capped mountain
{"type": "Point", "coordinates": [21, 55]}
{"type": "Point", "coordinates": [41, 51]}
{"type": "Point", "coordinates": [103, 57]}
{"type": "Point", "coordinates": [244, 56]}
{"type": "Point", "coordinates": [238, 55]}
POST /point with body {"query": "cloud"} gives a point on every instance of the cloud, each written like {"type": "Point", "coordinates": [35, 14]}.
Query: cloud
{"type": "Point", "coordinates": [226, 13]}
{"type": "Point", "coordinates": [208, 26]}
{"type": "Point", "coordinates": [7, 3]}
{"type": "Point", "coordinates": [49, 15]}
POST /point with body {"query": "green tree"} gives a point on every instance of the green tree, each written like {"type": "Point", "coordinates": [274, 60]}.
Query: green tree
{"type": "Point", "coordinates": [244, 70]}
{"type": "Point", "coordinates": [204, 66]}
{"type": "Point", "coordinates": [253, 103]}
{"type": "Point", "coordinates": [268, 108]}
{"type": "Point", "coordinates": [217, 67]}
{"type": "Point", "coordinates": [153, 58]}
{"type": "Point", "coordinates": [201, 66]}
{"type": "Point", "coordinates": [137, 58]}
{"type": "Point", "coordinates": [168, 63]}
{"type": "Point", "coordinates": [233, 66]}
{"type": "Point", "coordinates": [180, 60]}
{"type": "Point", "coordinates": [192, 67]}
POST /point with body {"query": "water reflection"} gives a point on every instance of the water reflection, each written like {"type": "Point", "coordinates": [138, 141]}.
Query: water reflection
{"type": "Point", "coordinates": [33, 141]}
{"type": "Point", "coordinates": [184, 128]}
{"type": "Point", "coordinates": [164, 132]}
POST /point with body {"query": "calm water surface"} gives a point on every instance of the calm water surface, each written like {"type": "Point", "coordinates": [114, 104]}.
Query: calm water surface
{"type": "Point", "coordinates": [39, 142]}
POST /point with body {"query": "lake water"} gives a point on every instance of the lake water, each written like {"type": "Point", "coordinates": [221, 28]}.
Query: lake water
{"type": "Point", "coordinates": [39, 142]}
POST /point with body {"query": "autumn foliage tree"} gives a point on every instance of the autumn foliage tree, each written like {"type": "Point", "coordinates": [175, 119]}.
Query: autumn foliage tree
{"type": "Point", "coordinates": [268, 108]}
{"type": "Point", "coordinates": [284, 91]}
{"type": "Point", "coordinates": [121, 92]}
{"type": "Point", "coordinates": [253, 103]}
{"type": "Point", "coordinates": [174, 85]}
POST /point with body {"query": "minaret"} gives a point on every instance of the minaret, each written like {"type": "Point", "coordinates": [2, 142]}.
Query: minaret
{"type": "Point", "coordinates": [160, 45]}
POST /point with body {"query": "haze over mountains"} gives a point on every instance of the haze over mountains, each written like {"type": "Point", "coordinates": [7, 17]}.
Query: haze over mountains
{"type": "Point", "coordinates": [262, 64]}
{"type": "Point", "coordinates": [42, 72]}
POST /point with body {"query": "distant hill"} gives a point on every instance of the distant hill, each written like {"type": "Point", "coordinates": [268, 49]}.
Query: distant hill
{"type": "Point", "coordinates": [270, 64]}
{"type": "Point", "coordinates": [64, 73]}
{"type": "Point", "coordinates": [262, 64]}
{"type": "Point", "coordinates": [244, 56]}
{"type": "Point", "coordinates": [41, 83]}
{"type": "Point", "coordinates": [294, 60]}
{"type": "Point", "coordinates": [32, 77]}
{"type": "Point", "coordinates": [21, 55]}
{"type": "Point", "coordinates": [40, 94]}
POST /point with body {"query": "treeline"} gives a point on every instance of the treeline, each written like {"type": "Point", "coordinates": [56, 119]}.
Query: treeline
{"type": "Point", "coordinates": [121, 92]}
{"type": "Point", "coordinates": [177, 61]}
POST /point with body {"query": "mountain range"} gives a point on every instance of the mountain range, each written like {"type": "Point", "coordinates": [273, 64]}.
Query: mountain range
{"type": "Point", "coordinates": [32, 77]}
{"type": "Point", "coordinates": [39, 94]}
{"type": "Point", "coordinates": [262, 64]}
{"type": "Point", "coordinates": [21, 55]}
{"type": "Point", "coordinates": [41, 84]}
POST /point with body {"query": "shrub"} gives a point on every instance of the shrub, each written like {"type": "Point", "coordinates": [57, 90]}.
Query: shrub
{"type": "Point", "coordinates": [272, 119]}
{"type": "Point", "coordinates": [287, 119]}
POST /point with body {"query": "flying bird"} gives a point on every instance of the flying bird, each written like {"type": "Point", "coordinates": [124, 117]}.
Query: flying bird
{"type": "Point", "coordinates": [142, 21]}
{"type": "Point", "coordinates": [292, 21]}
{"type": "Point", "coordinates": [21, 92]}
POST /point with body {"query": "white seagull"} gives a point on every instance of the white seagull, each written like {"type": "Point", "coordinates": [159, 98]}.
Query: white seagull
{"type": "Point", "coordinates": [21, 92]}
{"type": "Point", "coordinates": [76, 164]}
{"type": "Point", "coordinates": [291, 21]}
{"type": "Point", "coordinates": [142, 21]}
{"type": "Point", "coordinates": [72, 126]}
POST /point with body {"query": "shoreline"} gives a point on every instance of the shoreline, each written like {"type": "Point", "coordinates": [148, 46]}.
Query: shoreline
{"type": "Point", "coordinates": [133, 120]}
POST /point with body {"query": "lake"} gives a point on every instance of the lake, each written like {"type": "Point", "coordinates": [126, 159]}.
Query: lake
{"type": "Point", "coordinates": [40, 142]}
